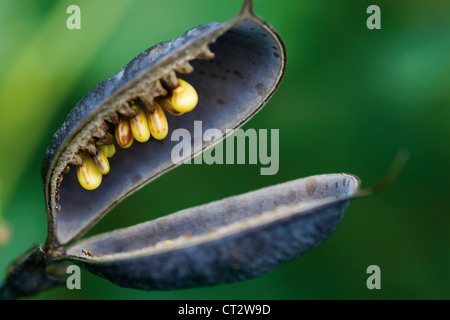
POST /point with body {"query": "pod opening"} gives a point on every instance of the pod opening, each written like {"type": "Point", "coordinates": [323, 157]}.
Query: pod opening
{"type": "Point", "coordinates": [247, 67]}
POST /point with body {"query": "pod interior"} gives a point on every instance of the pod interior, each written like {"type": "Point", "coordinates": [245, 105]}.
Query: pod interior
{"type": "Point", "coordinates": [248, 65]}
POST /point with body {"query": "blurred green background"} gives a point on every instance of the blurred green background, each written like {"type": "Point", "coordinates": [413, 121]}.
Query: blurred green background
{"type": "Point", "coordinates": [350, 99]}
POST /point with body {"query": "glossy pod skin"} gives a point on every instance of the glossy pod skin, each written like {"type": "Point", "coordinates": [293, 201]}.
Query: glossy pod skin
{"type": "Point", "coordinates": [245, 68]}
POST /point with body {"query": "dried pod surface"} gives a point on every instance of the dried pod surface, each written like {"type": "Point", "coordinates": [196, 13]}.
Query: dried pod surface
{"type": "Point", "coordinates": [229, 240]}
{"type": "Point", "coordinates": [235, 67]}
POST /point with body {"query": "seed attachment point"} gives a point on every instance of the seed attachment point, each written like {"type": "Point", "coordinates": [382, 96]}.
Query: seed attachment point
{"type": "Point", "coordinates": [182, 99]}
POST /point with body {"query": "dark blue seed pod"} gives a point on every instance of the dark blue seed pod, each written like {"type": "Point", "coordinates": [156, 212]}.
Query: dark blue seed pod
{"type": "Point", "coordinates": [235, 67]}
{"type": "Point", "coordinates": [230, 240]}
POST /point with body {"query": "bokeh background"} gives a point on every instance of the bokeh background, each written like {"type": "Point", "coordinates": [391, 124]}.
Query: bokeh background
{"type": "Point", "coordinates": [350, 99]}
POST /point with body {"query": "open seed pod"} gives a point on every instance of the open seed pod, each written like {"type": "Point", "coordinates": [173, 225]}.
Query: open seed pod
{"type": "Point", "coordinates": [234, 68]}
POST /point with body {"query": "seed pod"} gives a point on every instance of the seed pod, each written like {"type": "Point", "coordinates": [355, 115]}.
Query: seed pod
{"type": "Point", "coordinates": [158, 122]}
{"type": "Point", "coordinates": [263, 229]}
{"type": "Point", "coordinates": [245, 50]}
{"type": "Point", "coordinates": [247, 61]}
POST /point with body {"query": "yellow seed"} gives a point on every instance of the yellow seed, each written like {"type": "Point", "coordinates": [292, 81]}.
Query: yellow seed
{"type": "Point", "coordinates": [108, 138]}
{"type": "Point", "coordinates": [139, 125]}
{"type": "Point", "coordinates": [88, 174]}
{"type": "Point", "coordinates": [102, 162]}
{"type": "Point", "coordinates": [123, 134]}
{"type": "Point", "coordinates": [108, 149]}
{"type": "Point", "coordinates": [183, 99]}
{"type": "Point", "coordinates": [158, 122]}
{"type": "Point", "coordinates": [165, 103]}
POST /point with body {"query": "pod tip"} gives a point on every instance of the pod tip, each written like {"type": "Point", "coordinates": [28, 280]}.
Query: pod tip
{"type": "Point", "coordinates": [247, 8]}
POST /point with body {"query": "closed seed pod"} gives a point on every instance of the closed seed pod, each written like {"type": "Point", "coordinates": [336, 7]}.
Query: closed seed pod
{"type": "Point", "coordinates": [235, 67]}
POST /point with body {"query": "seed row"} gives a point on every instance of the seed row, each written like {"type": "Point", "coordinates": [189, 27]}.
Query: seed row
{"type": "Point", "coordinates": [147, 122]}
{"type": "Point", "coordinates": [138, 119]}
